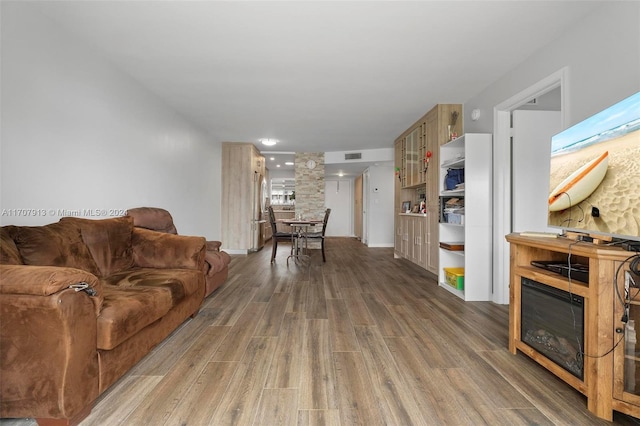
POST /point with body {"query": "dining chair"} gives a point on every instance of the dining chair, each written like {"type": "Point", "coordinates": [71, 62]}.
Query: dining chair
{"type": "Point", "coordinates": [276, 236]}
{"type": "Point", "coordinates": [320, 235]}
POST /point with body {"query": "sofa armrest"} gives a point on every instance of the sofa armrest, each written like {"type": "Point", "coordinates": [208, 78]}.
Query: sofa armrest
{"type": "Point", "coordinates": [214, 245]}
{"type": "Point", "coordinates": [216, 261]}
{"type": "Point", "coordinates": [30, 280]}
{"type": "Point", "coordinates": [152, 249]}
{"type": "Point", "coordinates": [48, 355]}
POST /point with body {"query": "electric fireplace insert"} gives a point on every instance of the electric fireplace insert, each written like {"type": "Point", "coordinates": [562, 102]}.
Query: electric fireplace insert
{"type": "Point", "coordinates": [552, 323]}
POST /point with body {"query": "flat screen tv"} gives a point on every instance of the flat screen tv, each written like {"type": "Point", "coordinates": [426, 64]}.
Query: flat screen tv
{"type": "Point", "coordinates": [595, 173]}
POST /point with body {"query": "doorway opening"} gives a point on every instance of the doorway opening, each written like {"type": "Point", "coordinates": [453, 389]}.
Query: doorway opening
{"type": "Point", "coordinates": [502, 183]}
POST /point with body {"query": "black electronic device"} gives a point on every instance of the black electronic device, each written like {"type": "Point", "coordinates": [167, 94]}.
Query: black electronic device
{"type": "Point", "coordinates": [575, 271]}
{"type": "Point", "coordinates": [631, 246]}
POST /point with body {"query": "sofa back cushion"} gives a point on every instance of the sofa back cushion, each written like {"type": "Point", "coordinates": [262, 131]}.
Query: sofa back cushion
{"type": "Point", "coordinates": [153, 218]}
{"type": "Point", "coordinates": [108, 240]}
{"type": "Point", "coordinates": [56, 244]}
{"type": "Point", "coordinates": [9, 254]}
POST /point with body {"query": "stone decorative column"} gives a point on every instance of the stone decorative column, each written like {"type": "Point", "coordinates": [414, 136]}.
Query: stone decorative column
{"type": "Point", "coordinates": [310, 187]}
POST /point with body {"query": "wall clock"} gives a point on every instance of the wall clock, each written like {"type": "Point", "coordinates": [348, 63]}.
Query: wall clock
{"type": "Point", "coordinates": [311, 164]}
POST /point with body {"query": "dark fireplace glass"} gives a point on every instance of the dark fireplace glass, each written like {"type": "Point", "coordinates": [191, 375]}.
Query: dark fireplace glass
{"type": "Point", "coordinates": [552, 322]}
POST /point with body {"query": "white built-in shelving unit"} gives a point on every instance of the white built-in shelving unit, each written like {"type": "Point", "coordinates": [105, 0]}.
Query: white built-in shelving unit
{"type": "Point", "coordinates": [473, 153]}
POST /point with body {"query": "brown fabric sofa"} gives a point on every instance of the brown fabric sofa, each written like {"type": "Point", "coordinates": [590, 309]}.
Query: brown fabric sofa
{"type": "Point", "coordinates": [81, 302]}
{"type": "Point", "coordinates": [216, 262]}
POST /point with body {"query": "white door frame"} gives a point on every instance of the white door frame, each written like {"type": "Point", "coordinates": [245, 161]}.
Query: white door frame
{"type": "Point", "coordinates": [365, 207]}
{"type": "Point", "coordinates": [502, 172]}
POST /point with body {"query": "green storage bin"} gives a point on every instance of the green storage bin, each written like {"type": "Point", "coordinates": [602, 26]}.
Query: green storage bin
{"type": "Point", "coordinates": [454, 277]}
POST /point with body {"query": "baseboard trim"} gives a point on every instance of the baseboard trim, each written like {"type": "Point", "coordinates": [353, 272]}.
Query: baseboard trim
{"type": "Point", "coordinates": [234, 251]}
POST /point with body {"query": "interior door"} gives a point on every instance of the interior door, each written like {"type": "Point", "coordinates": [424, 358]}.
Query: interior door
{"type": "Point", "coordinates": [531, 146]}
{"type": "Point", "coordinates": [338, 197]}
{"type": "Point", "coordinates": [357, 207]}
{"type": "Point", "coordinates": [365, 207]}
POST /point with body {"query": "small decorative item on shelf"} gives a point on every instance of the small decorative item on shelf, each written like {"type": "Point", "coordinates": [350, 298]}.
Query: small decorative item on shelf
{"type": "Point", "coordinates": [406, 207]}
{"type": "Point", "coordinates": [427, 158]}
{"type": "Point", "coordinates": [454, 118]}
{"type": "Point", "coordinates": [398, 173]}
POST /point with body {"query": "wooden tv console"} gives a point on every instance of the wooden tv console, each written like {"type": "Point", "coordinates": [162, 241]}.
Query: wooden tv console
{"type": "Point", "coordinates": [606, 367]}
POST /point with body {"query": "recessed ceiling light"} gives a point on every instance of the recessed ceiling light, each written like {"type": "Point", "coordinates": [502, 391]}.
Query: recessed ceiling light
{"type": "Point", "coordinates": [269, 142]}
{"type": "Point", "coordinates": [272, 158]}
{"type": "Point", "coordinates": [277, 165]}
{"type": "Point", "coordinates": [289, 163]}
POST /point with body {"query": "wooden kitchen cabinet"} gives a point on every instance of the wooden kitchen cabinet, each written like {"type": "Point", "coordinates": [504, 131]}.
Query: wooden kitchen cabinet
{"type": "Point", "coordinates": [417, 178]}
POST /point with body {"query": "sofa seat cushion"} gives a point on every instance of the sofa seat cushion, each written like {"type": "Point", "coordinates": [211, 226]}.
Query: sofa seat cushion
{"type": "Point", "coordinates": [180, 282]}
{"type": "Point", "coordinates": [136, 298]}
{"type": "Point", "coordinates": [126, 311]}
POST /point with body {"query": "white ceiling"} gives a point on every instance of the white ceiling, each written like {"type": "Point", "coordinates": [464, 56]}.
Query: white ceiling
{"type": "Point", "coordinates": [276, 160]}
{"type": "Point", "coordinates": [318, 76]}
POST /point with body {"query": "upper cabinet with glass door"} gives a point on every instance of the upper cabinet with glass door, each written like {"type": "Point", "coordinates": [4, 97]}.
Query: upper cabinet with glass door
{"type": "Point", "coordinates": [413, 152]}
{"type": "Point", "coordinates": [412, 157]}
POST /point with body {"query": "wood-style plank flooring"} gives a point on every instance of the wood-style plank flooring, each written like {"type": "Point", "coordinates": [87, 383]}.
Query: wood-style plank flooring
{"type": "Point", "coordinates": [361, 339]}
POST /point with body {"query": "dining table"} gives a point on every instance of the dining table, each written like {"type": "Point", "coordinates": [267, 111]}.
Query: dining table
{"type": "Point", "coordinates": [299, 231]}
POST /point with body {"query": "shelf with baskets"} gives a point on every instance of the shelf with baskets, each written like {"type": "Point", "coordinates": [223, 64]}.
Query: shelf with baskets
{"type": "Point", "coordinates": [465, 216]}
{"type": "Point", "coordinates": [452, 192]}
{"type": "Point", "coordinates": [455, 163]}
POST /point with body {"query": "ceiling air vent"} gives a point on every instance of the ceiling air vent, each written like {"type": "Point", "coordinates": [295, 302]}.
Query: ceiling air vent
{"type": "Point", "coordinates": [353, 156]}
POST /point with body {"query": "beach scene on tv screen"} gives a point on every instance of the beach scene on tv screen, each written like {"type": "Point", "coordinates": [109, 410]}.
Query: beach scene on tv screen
{"type": "Point", "coordinates": [595, 173]}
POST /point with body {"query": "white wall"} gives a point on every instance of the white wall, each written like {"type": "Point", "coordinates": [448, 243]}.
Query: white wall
{"type": "Point", "coordinates": [380, 206]}
{"type": "Point", "coordinates": [79, 134]}
{"type": "Point", "coordinates": [602, 54]}
{"type": "Point", "coordinates": [275, 173]}
{"type": "Point", "coordinates": [368, 156]}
